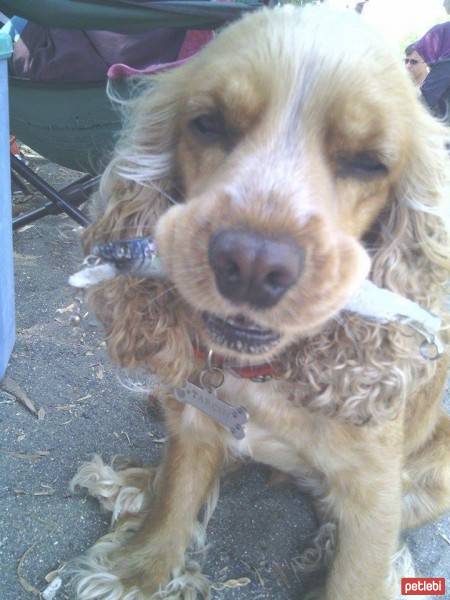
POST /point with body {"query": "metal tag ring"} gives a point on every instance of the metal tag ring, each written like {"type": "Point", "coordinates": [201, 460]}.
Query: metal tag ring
{"type": "Point", "coordinates": [430, 350]}
{"type": "Point", "coordinates": [211, 379]}
{"type": "Point", "coordinates": [209, 360]}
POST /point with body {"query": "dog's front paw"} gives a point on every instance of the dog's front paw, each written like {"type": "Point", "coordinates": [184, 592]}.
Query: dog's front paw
{"type": "Point", "coordinates": [184, 583]}
{"type": "Point", "coordinates": [113, 569]}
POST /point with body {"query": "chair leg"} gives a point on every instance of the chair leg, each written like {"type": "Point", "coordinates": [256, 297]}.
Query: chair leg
{"type": "Point", "coordinates": [65, 200]}
{"type": "Point", "coordinates": [19, 183]}
{"type": "Point", "coordinates": [76, 193]}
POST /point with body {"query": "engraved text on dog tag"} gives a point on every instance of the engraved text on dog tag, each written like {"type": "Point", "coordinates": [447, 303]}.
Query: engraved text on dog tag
{"type": "Point", "coordinates": [231, 417]}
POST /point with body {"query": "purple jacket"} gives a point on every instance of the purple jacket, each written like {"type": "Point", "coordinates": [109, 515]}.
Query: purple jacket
{"type": "Point", "coordinates": [435, 44]}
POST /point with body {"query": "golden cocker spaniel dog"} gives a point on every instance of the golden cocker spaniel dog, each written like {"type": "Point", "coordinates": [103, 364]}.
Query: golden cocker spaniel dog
{"type": "Point", "coordinates": [280, 168]}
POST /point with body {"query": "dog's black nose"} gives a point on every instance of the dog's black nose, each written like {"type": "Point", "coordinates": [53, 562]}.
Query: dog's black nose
{"type": "Point", "coordinates": [253, 268]}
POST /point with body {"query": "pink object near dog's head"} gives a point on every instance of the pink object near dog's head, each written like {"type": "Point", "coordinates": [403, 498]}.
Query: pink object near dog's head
{"type": "Point", "coordinates": [193, 43]}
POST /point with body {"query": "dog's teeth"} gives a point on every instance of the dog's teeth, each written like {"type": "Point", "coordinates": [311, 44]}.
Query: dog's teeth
{"type": "Point", "coordinates": [244, 337]}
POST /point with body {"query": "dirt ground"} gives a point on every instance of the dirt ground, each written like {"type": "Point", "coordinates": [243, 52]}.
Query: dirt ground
{"type": "Point", "coordinates": [62, 368]}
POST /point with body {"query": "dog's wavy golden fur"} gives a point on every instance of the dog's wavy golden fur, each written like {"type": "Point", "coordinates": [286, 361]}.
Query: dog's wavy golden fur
{"type": "Point", "coordinates": [279, 168]}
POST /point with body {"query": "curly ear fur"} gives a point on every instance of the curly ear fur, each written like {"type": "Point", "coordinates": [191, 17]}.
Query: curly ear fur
{"type": "Point", "coordinates": [148, 324]}
{"type": "Point", "coordinates": [361, 371]}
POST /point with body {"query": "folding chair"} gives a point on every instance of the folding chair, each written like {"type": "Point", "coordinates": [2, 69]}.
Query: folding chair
{"type": "Point", "coordinates": [74, 124]}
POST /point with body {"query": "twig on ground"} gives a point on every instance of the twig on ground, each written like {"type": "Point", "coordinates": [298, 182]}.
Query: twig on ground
{"type": "Point", "coordinates": [444, 537]}
{"type": "Point", "coordinates": [231, 583]}
{"type": "Point", "coordinates": [26, 456]}
{"type": "Point", "coordinates": [12, 388]}
{"type": "Point", "coordinates": [256, 571]}
{"type": "Point", "coordinates": [26, 585]}
{"type": "Point", "coordinates": [47, 491]}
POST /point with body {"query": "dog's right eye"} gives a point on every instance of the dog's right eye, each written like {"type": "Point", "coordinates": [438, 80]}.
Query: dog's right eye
{"type": "Point", "coordinates": [364, 165]}
{"type": "Point", "coordinates": [209, 127]}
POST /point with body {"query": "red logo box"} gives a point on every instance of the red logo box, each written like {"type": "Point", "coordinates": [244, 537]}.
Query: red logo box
{"type": "Point", "coordinates": [422, 586]}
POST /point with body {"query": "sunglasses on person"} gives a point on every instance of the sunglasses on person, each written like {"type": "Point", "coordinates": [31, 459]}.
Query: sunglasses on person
{"type": "Point", "coordinates": [413, 61]}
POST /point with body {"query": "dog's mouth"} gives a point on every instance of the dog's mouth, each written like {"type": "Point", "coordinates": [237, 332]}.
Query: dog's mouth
{"type": "Point", "coordinates": [240, 334]}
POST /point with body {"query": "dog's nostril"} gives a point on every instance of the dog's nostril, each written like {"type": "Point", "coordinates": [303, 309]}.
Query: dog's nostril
{"type": "Point", "coordinates": [253, 268]}
{"type": "Point", "coordinates": [281, 278]}
{"type": "Point", "coordinates": [232, 270]}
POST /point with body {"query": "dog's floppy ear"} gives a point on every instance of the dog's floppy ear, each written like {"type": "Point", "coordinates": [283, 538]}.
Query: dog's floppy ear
{"type": "Point", "coordinates": [137, 185]}
{"type": "Point", "coordinates": [414, 251]}
{"type": "Point", "coordinates": [411, 256]}
{"type": "Point", "coordinates": [144, 321]}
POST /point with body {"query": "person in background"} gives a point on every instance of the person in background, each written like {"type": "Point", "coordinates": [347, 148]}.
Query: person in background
{"type": "Point", "coordinates": [434, 48]}
{"type": "Point", "coordinates": [416, 66]}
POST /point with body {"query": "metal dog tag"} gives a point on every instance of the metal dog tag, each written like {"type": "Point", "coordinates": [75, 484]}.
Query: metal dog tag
{"type": "Point", "coordinates": [231, 417]}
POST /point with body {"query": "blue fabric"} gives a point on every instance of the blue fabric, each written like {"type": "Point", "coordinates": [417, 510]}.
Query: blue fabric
{"type": "Point", "coordinates": [19, 24]}
{"type": "Point", "coordinates": [14, 27]}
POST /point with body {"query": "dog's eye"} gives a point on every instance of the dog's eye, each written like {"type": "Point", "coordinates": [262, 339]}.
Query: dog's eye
{"type": "Point", "coordinates": [361, 166]}
{"type": "Point", "coordinates": [210, 127]}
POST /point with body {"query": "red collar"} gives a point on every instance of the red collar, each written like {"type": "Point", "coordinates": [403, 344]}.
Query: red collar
{"type": "Point", "coordinates": [257, 372]}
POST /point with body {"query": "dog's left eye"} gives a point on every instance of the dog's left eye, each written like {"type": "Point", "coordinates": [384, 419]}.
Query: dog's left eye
{"type": "Point", "coordinates": [210, 127]}
{"type": "Point", "coordinates": [361, 166]}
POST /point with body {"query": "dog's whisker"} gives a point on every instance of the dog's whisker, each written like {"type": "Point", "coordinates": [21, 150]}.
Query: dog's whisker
{"type": "Point", "coordinates": [163, 193]}
{"type": "Point", "coordinates": [165, 292]}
